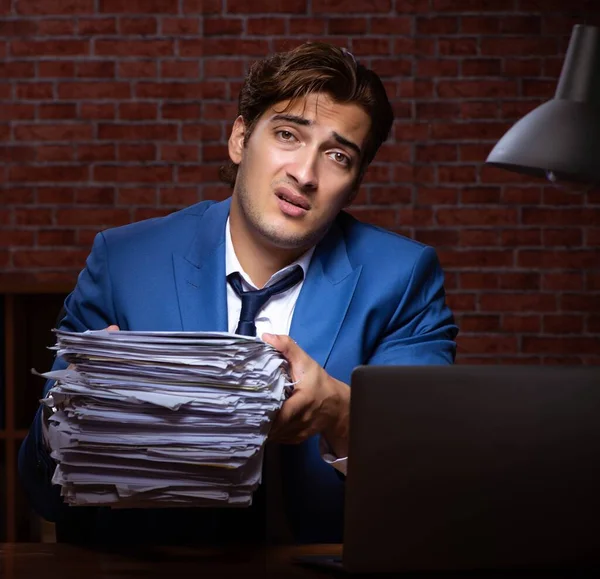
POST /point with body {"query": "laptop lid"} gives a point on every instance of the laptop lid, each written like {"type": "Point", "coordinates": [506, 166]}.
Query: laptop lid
{"type": "Point", "coordinates": [473, 467]}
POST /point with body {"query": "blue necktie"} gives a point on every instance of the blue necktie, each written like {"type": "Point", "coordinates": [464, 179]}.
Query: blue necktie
{"type": "Point", "coordinates": [254, 300]}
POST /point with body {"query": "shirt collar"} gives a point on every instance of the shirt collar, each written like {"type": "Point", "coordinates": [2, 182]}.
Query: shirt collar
{"type": "Point", "coordinates": [232, 264]}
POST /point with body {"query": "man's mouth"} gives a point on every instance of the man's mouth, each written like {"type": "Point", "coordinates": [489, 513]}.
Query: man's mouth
{"type": "Point", "coordinates": [292, 198]}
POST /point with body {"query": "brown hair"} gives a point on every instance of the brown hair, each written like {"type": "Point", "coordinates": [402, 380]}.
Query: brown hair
{"type": "Point", "coordinates": [314, 67]}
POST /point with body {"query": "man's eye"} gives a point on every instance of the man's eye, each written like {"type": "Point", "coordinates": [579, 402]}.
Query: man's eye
{"type": "Point", "coordinates": [285, 135]}
{"type": "Point", "coordinates": [341, 158]}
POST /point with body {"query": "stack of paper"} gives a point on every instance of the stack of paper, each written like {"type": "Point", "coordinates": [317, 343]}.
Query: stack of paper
{"type": "Point", "coordinates": [162, 418]}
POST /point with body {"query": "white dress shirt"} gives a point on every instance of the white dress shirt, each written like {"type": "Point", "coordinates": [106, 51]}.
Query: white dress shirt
{"type": "Point", "coordinates": [276, 315]}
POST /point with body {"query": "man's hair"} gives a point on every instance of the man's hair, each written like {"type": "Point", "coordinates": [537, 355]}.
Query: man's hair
{"type": "Point", "coordinates": [314, 67]}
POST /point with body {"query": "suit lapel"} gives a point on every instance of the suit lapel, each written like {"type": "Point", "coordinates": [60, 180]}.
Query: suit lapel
{"type": "Point", "coordinates": [200, 274]}
{"type": "Point", "coordinates": [325, 297]}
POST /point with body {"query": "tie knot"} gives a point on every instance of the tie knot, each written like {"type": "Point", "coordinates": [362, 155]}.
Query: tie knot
{"type": "Point", "coordinates": [254, 300]}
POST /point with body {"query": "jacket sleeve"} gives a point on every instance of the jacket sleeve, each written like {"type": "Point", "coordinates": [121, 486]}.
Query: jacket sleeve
{"type": "Point", "coordinates": [421, 330]}
{"type": "Point", "coordinates": [89, 306]}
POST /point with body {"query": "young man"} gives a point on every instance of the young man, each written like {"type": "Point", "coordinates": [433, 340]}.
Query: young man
{"type": "Point", "coordinates": [310, 121]}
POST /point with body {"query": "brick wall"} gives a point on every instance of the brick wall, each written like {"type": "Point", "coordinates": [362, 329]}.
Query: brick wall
{"type": "Point", "coordinates": [117, 110]}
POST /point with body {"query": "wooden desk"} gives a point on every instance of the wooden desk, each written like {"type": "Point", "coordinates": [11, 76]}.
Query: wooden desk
{"type": "Point", "coordinates": [61, 561]}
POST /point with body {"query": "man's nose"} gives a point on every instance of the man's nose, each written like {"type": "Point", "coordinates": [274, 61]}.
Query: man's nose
{"type": "Point", "coordinates": [304, 169]}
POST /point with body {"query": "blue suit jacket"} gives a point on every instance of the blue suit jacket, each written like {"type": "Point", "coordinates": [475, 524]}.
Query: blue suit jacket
{"type": "Point", "coordinates": [369, 297]}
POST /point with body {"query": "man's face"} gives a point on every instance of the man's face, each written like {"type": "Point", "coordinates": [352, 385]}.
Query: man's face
{"type": "Point", "coordinates": [298, 169]}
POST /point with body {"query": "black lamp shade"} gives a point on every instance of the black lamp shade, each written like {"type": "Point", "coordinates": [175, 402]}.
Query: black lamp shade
{"type": "Point", "coordinates": [561, 138]}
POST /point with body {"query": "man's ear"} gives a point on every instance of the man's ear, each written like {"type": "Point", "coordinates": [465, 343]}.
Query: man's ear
{"type": "Point", "coordinates": [236, 140]}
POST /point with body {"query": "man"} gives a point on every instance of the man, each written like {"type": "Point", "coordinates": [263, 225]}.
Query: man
{"type": "Point", "coordinates": [310, 121]}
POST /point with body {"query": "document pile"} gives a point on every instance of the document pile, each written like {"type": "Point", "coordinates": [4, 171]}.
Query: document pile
{"type": "Point", "coordinates": [150, 419]}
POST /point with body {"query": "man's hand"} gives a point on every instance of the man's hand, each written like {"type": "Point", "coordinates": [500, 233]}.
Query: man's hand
{"type": "Point", "coordinates": [319, 403]}
{"type": "Point", "coordinates": [111, 328]}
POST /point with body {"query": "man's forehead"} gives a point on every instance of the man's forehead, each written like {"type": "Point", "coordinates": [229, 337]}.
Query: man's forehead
{"type": "Point", "coordinates": [321, 108]}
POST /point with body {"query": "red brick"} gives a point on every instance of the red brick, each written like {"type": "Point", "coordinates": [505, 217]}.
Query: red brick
{"type": "Point", "coordinates": [160, 132]}
{"type": "Point", "coordinates": [55, 195]}
{"type": "Point", "coordinates": [96, 217]}
{"type": "Point", "coordinates": [417, 216]}
{"type": "Point", "coordinates": [488, 345]}
{"type": "Point", "coordinates": [33, 216]}
{"type": "Point", "coordinates": [198, 173]}
{"type": "Point", "coordinates": [477, 89]}
{"type": "Point", "coordinates": [181, 90]}
{"type": "Point", "coordinates": [35, 91]}
{"type": "Point", "coordinates": [394, 153]}
{"type": "Point", "coordinates": [476, 258]}
{"type": "Point", "coordinates": [562, 216]}
{"type": "Point", "coordinates": [216, 192]}
{"type": "Point", "coordinates": [140, 69]}
{"type": "Point", "coordinates": [219, 111]}
{"type": "Point", "coordinates": [592, 237]}
{"type": "Point", "coordinates": [377, 174]}
{"type": "Point", "coordinates": [516, 110]}
{"type": "Point", "coordinates": [141, 214]}
{"type": "Point", "coordinates": [413, 174]}
{"type": "Point", "coordinates": [55, 173]}
{"type": "Point", "coordinates": [56, 69]}
{"type": "Point", "coordinates": [307, 26]}
{"type": "Point", "coordinates": [579, 303]}
{"type": "Point", "coordinates": [183, 111]}
{"type": "Point", "coordinates": [137, 196]}
{"type": "Point", "coordinates": [488, 174]}
{"type": "Point", "coordinates": [593, 281]}
{"type": "Point", "coordinates": [17, 70]}
{"type": "Point", "coordinates": [513, 302]}
{"type": "Point", "coordinates": [229, 46]}
{"type": "Point", "coordinates": [57, 111]}
{"type": "Point", "coordinates": [522, 195]}
{"type": "Point", "coordinates": [437, 196]}
{"type": "Point", "coordinates": [480, 24]}
{"type": "Point", "coordinates": [96, 69]}
{"type": "Point", "coordinates": [95, 196]}
{"type": "Point", "coordinates": [15, 195]}
{"type": "Point", "coordinates": [479, 110]}
{"type": "Point", "coordinates": [420, 89]}
{"type": "Point", "coordinates": [478, 238]}
{"type": "Point", "coordinates": [521, 237]}
{"type": "Point", "coordinates": [97, 111]}
{"type": "Point", "coordinates": [393, 26]}
{"type": "Point", "coordinates": [191, 48]}
{"type": "Point", "coordinates": [56, 27]}
{"type": "Point", "coordinates": [456, 174]}
{"type": "Point", "coordinates": [202, 6]}
{"type": "Point", "coordinates": [521, 324]}
{"type": "Point", "coordinates": [179, 69]}
{"type": "Point", "coordinates": [56, 237]}
{"type": "Point", "coordinates": [96, 152]}
{"type": "Point", "coordinates": [137, 111]}
{"type": "Point", "coordinates": [515, 280]}
{"type": "Point", "coordinates": [50, 258]}
{"type": "Point", "coordinates": [482, 67]}
{"type": "Point", "coordinates": [90, 26]}
{"type": "Point", "coordinates": [457, 46]}
{"type": "Point", "coordinates": [340, 6]}
{"type": "Point", "coordinates": [179, 153]}
{"type": "Point", "coordinates": [219, 67]}
{"type": "Point", "coordinates": [266, 7]}
{"type": "Point", "coordinates": [593, 324]}
{"type": "Point", "coordinates": [389, 195]}
{"type": "Point", "coordinates": [436, 153]}
{"type": "Point", "coordinates": [437, 110]}
{"type": "Point", "coordinates": [473, 130]}
{"type": "Point", "coordinates": [565, 195]}
{"type": "Point", "coordinates": [17, 112]}
{"type": "Point", "coordinates": [21, 27]}
{"type": "Point", "coordinates": [563, 324]}
{"type": "Point", "coordinates": [392, 67]}
{"type": "Point", "coordinates": [562, 345]}
{"type": "Point", "coordinates": [140, 6]}
{"type": "Point", "coordinates": [411, 131]}
{"type": "Point", "coordinates": [16, 238]}
{"type": "Point", "coordinates": [47, 7]}
{"type": "Point", "coordinates": [475, 153]}
{"type": "Point", "coordinates": [142, 152]}
{"type": "Point", "coordinates": [523, 67]}
{"type": "Point", "coordinates": [539, 88]}
{"type": "Point", "coordinates": [122, 47]}
{"type": "Point", "coordinates": [421, 47]}
{"type": "Point", "coordinates": [461, 302]}
{"type": "Point", "coordinates": [54, 132]}
{"type": "Point", "coordinates": [182, 196]}
{"type": "Point", "coordinates": [223, 26]}
{"type": "Point", "coordinates": [177, 26]}
{"type": "Point", "coordinates": [559, 258]}
{"type": "Point", "coordinates": [437, 25]}
{"type": "Point", "coordinates": [49, 48]}
{"type": "Point", "coordinates": [347, 25]}
{"type": "Point", "coordinates": [521, 25]}
{"type": "Point", "coordinates": [438, 238]}
{"type": "Point", "coordinates": [437, 68]}
{"type": "Point", "coordinates": [55, 153]}
{"type": "Point", "coordinates": [469, 5]}
{"type": "Point", "coordinates": [94, 90]}
{"type": "Point", "coordinates": [126, 174]}
{"type": "Point", "coordinates": [519, 45]}
{"type": "Point", "coordinates": [380, 217]}
{"type": "Point", "coordinates": [140, 26]}
{"type": "Point", "coordinates": [478, 280]}
{"type": "Point", "coordinates": [567, 237]}
{"type": "Point", "coordinates": [17, 154]}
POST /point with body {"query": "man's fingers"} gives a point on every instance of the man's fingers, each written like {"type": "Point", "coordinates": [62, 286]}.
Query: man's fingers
{"type": "Point", "coordinates": [113, 328]}
{"type": "Point", "coordinates": [283, 344]}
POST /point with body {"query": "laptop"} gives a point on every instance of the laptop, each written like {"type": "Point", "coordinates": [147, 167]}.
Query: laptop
{"type": "Point", "coordinates": [456, 468]}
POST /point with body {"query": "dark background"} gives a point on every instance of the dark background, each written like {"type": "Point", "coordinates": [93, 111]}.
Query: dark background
{"type": "Point", "coordinates": [113, 111]}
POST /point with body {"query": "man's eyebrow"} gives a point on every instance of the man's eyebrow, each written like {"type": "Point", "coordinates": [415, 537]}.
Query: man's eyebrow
{"type": "Point", "coordinates": [303, 121]}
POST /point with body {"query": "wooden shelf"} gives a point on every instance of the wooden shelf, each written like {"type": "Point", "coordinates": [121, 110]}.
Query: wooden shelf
{"type": "Point", "coordinates": [29, 312]}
